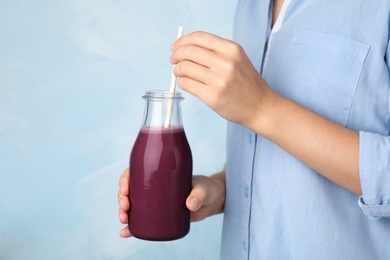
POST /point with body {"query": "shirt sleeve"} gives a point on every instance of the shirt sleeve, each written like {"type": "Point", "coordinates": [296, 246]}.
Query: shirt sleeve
{"type": "Point", "coordinates": [375, 170]}
{"type": "Point", "coordinates": [375, 175]}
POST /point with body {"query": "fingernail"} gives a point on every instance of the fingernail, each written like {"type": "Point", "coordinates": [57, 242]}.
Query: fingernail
{"type": "Point", "coordinates": [172, 46]}
{"type": "Point", "coordinates": [194, 203]}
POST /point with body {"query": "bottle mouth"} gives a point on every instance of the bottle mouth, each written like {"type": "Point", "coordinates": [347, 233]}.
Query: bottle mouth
{"type": "Point", "coordinates": [161, 95]}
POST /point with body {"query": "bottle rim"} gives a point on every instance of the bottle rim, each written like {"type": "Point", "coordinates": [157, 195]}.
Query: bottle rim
{"type": "Point", "coordinates": [163, 95]}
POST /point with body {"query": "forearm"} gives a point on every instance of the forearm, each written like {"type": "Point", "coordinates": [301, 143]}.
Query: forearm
{"type": "Point", "coordinates": [330, 149]}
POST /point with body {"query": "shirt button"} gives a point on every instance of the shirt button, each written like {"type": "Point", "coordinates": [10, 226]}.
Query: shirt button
{"type": "Point", "coordinates": [250, 138]}
{"type": "Point", "coordinates": [246, 192]}
{"type": "Point", "coordinates": [244, 245]}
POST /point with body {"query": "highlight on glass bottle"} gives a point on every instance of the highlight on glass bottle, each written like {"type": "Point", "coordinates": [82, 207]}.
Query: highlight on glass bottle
{"type": "Point", "coordinates": [160, 172]}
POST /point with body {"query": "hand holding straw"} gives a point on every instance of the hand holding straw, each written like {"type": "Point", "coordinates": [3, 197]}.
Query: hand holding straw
{"type": "Point", "coordinates": [172, 87]}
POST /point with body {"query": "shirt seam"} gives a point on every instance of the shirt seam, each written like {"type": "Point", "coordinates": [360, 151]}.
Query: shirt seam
{"type": "Point", "coordinates": [251, 195]}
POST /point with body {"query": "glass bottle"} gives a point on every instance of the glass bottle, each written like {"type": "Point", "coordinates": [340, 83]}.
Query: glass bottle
{"type": "Point", "coordinates": [160, 171]}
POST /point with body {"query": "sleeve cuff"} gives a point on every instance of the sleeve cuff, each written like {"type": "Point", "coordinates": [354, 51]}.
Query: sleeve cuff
{"type": "Point", "coordinates": [374, 164]}
{"type": "Point", "coordinates": [374, 211]}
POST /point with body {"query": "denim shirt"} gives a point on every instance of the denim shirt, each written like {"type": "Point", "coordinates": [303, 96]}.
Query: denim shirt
{"type": "Point", "coordinates": [330, 56]}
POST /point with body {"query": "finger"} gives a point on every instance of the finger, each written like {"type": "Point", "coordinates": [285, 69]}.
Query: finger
{"type": "Point", "coordinates": [124, 182]}
{"type": "Point", "coordinates": [198, 89]}
{"type": "Point", "coordinates": [195, 54]}
{"type": "Point", "coordinates": [124, 203]}
{"type": "Point", "coordinates": [196, 198]}
{"type": "Point", "coordinates": [193, 70]}
{"type": "Point", "coordinates": [193, 203]}
{"type": "Point", "coordinates": [125, 232]}
{"type": "Point", "coordinates": [204, 40]}
{"type": "Point", "coordinates": [123, 216]}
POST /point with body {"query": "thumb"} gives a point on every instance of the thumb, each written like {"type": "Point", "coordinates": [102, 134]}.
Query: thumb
{"type": "Point", "coordinates": [196, 198]}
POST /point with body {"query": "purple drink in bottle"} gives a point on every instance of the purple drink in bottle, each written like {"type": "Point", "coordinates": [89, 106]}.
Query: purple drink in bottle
{"type": "Point", "coordinates": [160, 172]}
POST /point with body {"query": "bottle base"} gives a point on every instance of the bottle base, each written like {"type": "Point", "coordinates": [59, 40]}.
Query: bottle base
{"type": "Point", "coordinates": [159, 239]}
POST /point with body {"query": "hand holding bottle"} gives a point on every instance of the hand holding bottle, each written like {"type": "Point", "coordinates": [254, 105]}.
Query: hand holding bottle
{"type": "Point", "coordinates": [207, 198]}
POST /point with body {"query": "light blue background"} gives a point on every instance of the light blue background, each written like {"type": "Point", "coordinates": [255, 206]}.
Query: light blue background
{"type": "Point", "coordinates": [72, 74]}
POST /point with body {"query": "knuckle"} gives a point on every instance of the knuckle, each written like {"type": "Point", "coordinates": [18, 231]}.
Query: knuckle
{"type": "Point", "coordinates": [230, 66]}
{"type": "Point", "coordinates": [198, 34]}
{"type": "Point", "coordinates": [183, 83]}
{"type": "Point", "coordinates": [235, 48]}
{"type": "Point", "coordinates": [177, 70]}
{"type": "Point", "coordinates": [200, 191]}
{"type": "Point", "coordinates": [185, 51]}
{"type": "Point", "coordinates": [185, 66]}
{"type": "Point", "coordinates": [182, 68]}
{"type": "Point", "coordinates": [222, 83]}
{"type": "Point", "coordinates": [202, 194]}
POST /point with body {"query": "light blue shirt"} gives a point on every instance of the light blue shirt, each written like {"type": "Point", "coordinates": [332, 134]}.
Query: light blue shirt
{"type": "Point", "coordinates": [332, 57]}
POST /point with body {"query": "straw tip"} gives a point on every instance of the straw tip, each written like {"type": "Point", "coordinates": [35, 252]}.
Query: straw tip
{"type": "Point", "coordinates": [180, 32]}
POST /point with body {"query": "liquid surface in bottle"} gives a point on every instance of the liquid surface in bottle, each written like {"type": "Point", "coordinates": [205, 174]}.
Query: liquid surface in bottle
{"type": "Point", "coordinates": [160, 181]}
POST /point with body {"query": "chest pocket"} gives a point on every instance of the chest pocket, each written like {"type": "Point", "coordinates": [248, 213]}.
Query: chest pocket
{"type": "Point", "coordinates": [321, 71]}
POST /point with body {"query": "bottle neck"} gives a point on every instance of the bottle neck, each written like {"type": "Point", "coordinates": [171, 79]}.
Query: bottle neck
{"type": "Point", "coordinates": [162, 110]}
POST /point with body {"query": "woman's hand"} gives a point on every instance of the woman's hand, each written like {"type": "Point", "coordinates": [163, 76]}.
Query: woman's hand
{"type": "Point", "coordinates": [124, 203]}
{"type": "Point", "coordinates": [206, 198]}
{"type": "Point", "coordinates": [218, 72]}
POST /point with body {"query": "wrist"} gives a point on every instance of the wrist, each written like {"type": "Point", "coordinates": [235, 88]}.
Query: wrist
{"type": "Point", "coordinates": [219, 181]}
{"type": "Point", "coordinates": [264, 117]}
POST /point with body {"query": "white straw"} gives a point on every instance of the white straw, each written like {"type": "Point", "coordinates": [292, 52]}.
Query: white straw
{"type": "Point", "coordinates": [172, 87]}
